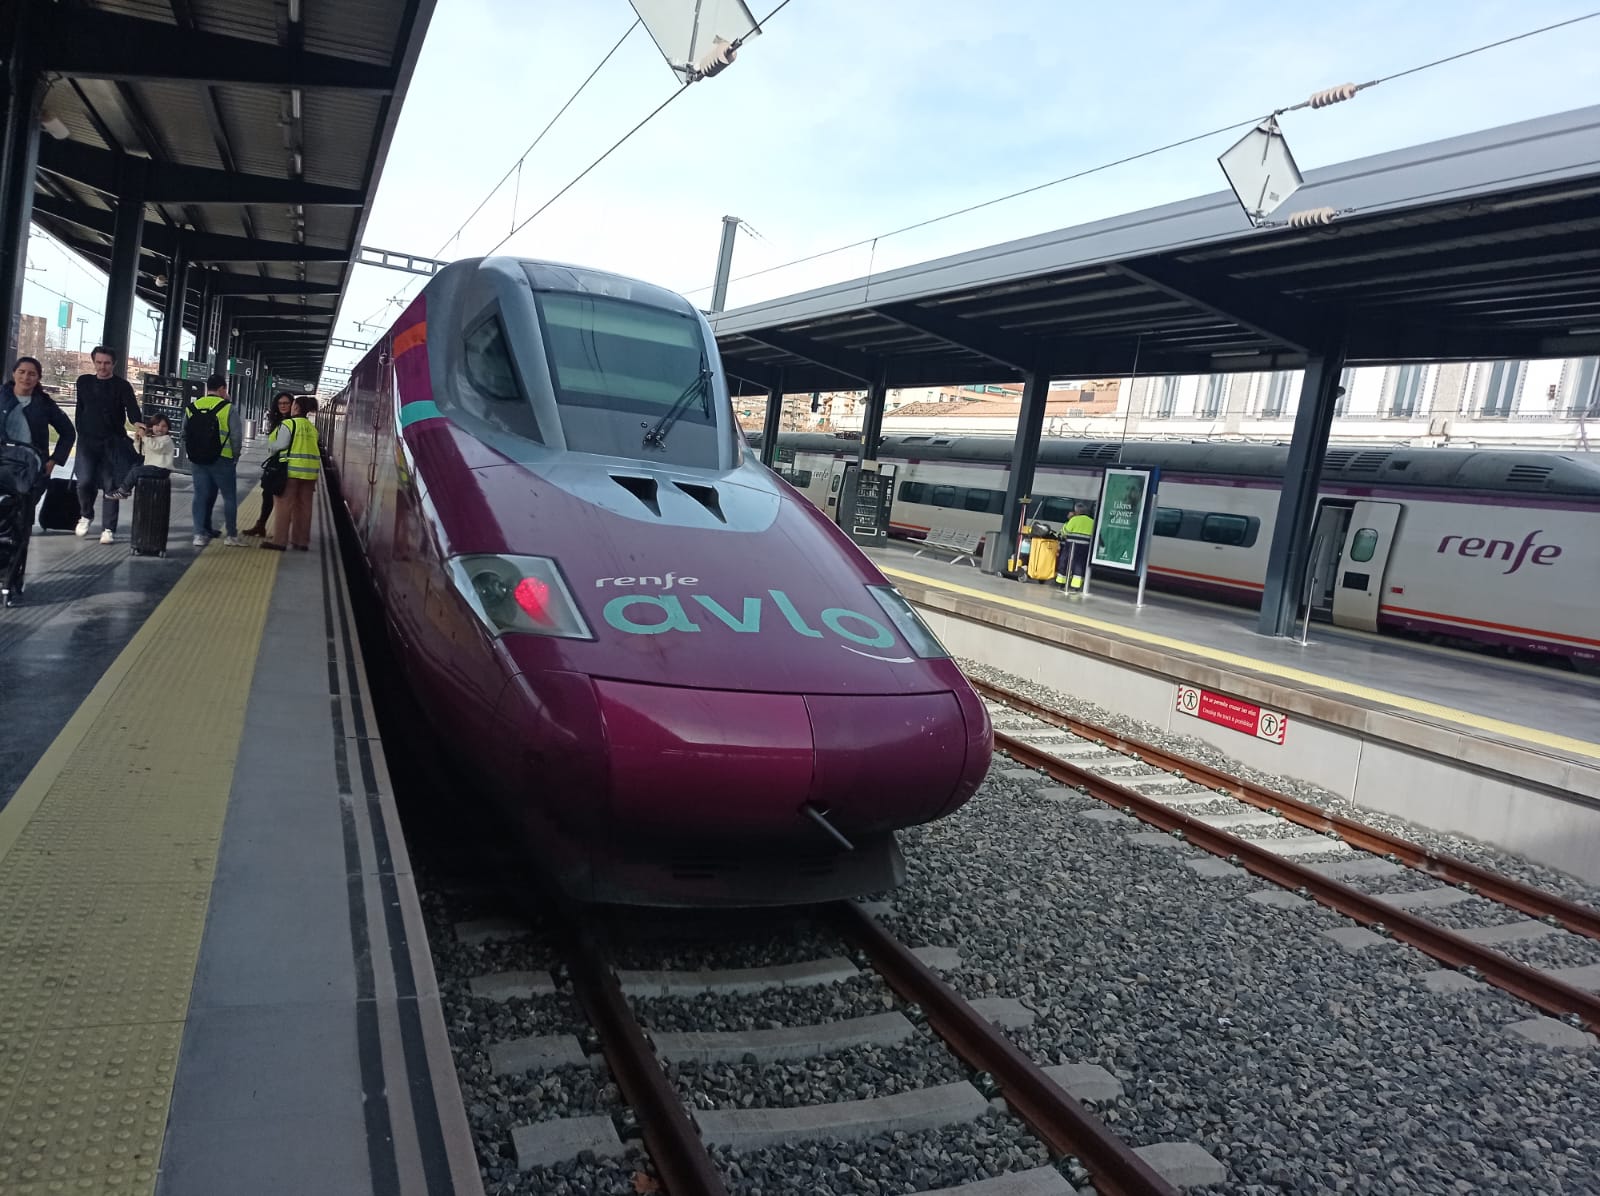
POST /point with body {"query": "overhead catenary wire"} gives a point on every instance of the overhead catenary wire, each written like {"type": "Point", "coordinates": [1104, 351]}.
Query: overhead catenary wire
{"type": "Point", "coordinates": [518, 227]}
{"type": "Point", "coordinates": [1316, 100]}
{"type": "Point", "coordinates": [616, 145]}
{"type": "Point", "coordinates": [516, 167]}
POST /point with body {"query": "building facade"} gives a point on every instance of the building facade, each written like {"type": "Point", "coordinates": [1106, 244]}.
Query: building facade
{"type": "Point", "coordinates": [1551, 404]}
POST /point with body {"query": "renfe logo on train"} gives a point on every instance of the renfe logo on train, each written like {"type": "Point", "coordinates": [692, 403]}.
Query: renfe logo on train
{"type": "Point", "coordinates": [1503, 550]}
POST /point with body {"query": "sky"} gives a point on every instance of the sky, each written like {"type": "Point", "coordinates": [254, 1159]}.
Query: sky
{"type": "Point", "coordinates": [847, 119]}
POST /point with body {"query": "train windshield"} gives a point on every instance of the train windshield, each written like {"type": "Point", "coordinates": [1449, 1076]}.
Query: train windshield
{"type": "Point", "coordinates": [630, 379]}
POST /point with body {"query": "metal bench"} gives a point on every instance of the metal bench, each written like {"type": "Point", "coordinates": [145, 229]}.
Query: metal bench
{"type": "Point", "coordinates": [963, 544]}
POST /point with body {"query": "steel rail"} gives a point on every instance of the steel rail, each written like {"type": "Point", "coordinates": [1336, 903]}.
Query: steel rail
{"type": "Point", "coordinates": [1529, 984]}
{"type": "Point", "coordinates": [685, 1166]}
{"type": "Point", "coordinates": [1054, 1115]}
{"type": "Point", "coordinates": [1580, 919]}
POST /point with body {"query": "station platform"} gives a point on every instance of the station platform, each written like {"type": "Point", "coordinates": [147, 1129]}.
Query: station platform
{"type": "Point", "coordinates": [1369, 717]}
{"type": "Point", "coordinates": [213, 970]}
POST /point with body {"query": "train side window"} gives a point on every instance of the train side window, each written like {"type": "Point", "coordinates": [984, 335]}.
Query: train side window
{"type": "Point", "coordinates": [489, 369]}
{"type": "Point", "coordinates": [1169, 521]}
{"type": "Point", "coordinates": [1235, 531]}
{"type": "Point", "coordinates": [912, 491]}
{"type": "Point", "coordinates": [944, 496]}
{"type": "Point", "coordinates": [975, 499]}
{"type": "Point", "coordinates": [1364, 544]}
{"type": "Point", "coordinates": [1055, 510]}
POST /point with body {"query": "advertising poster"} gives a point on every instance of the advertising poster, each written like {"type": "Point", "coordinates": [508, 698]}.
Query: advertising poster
{"type": "Point", "coordinates": [1118, 528]}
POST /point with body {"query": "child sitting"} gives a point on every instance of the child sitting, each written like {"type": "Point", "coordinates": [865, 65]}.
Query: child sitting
{"type": "Point", "coordinates": [158, 452]}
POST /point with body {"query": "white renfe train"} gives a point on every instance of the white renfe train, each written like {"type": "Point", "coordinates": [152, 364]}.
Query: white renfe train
{"type": "Point", "coordinates": [1498, 548]}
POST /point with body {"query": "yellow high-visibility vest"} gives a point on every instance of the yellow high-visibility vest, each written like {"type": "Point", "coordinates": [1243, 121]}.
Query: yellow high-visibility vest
{"type": "Point", "coordinates": [304, 457]}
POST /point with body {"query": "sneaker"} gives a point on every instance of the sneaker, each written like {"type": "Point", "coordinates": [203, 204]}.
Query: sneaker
{"type": "Point", "coordinates": [108, 536]}
{"type": "Point", "coordinates": [201, 541]}
{"type": "Point", "coordinates": [234, 542]}
{"type": "Point", "coordinates": [82, 529]}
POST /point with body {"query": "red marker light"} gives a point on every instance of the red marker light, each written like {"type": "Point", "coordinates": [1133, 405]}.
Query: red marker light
{"type": "Point", "coordinates": [533, 596]}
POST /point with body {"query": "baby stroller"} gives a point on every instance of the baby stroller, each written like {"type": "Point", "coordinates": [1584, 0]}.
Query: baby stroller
{"type": "Point", "coordinates": [21, 472]}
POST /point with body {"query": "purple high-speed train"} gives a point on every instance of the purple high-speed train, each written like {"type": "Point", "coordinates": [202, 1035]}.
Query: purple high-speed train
{"type": "Point", "coordinates": [682, 683]}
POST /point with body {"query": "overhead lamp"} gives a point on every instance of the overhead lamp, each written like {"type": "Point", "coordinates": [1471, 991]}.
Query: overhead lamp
{"type": "Point", "coordinates": [54, 125]}
{"type": "Point", "coordinates": [294, 102]}
{"type": "Point", "coordinates": [299, 163]}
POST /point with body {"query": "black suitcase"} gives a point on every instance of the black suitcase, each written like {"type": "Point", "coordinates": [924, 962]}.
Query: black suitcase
{"type": "Point", "coordinates": [58, 510]}
{"type": "Point", "coordinates": [152, 512]}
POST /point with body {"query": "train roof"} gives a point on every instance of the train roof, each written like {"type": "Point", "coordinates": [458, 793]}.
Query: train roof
{"type": "Point", "coordinates": [1512, 470]}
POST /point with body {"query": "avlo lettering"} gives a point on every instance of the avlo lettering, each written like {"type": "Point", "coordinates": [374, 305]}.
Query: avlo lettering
{"type": "Point", "coordinates": [657, 614]}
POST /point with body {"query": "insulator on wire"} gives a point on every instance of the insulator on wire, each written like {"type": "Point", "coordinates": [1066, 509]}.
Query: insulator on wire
{"type": "Point", "coordinates": [1333, 95]}
{"type": "Point", "coordinates": [1310, 217]}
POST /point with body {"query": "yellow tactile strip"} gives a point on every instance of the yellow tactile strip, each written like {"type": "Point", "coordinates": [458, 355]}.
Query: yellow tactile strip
{"type": "Point", "coordinates": [1433, 710]}
{"type": "Point", "coordinates": [107, 853]}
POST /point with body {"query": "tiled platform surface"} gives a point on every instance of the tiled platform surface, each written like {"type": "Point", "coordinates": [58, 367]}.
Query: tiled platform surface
{"type": "Point", "coordinates": [213, 974]}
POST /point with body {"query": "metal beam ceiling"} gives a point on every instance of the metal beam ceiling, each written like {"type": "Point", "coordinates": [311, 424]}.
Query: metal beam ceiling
{"type": "Point", "coordinates": [168, 183]}
{"type": "Point", "coordinates": [1480, 247]}
{"type": "Point", "coordinates": [89, 43]}
{"type": "Point", "coordinates": [173, 90]}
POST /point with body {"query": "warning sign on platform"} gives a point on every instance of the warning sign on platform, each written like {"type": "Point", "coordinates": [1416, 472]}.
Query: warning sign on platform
{"type": "Point", "coordinates": [1231, 712]}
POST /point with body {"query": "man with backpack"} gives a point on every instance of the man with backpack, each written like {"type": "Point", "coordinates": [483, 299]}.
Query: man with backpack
{"type": "Point", "coordinates": [208, 442]}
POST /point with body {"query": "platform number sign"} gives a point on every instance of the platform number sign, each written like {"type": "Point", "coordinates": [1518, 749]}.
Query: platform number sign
{"type": "Point", "coordinates": [1246, 717]}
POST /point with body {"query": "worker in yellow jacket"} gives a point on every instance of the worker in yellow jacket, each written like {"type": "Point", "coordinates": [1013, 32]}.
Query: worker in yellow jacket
{"type": "Point", "coordinates": [1076, 538]}
{"type": "Point", "coordinates": [296, 439]}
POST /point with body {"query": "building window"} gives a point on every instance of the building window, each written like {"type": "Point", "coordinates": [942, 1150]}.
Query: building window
{"type": "Point", "coordinates": [1277, 397]}
{"type": "Point", "coordinates": [1216, 396]}
{"type": "Point", "coordinates": [1502, 379]}
{"type": "Point", "coordinates": [1582, 385]}
{"type": "Point", "coordinates": [1163, 397]}
{"type": "Point", "coordinates": [1407, 394]}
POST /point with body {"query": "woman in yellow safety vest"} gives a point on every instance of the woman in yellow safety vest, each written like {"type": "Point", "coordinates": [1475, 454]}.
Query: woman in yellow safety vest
{"type": "Point", "coordinates": [296, 439]}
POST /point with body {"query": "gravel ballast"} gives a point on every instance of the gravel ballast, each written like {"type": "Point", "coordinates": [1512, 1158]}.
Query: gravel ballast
{"type": "Point", "coordinates": [1301, 1066]}
{"type": "Point", "coordinates": [1483, 854]}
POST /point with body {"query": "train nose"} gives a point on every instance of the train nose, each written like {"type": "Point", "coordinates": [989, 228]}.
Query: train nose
{"type": "Point", "coordinates": [742, 765]}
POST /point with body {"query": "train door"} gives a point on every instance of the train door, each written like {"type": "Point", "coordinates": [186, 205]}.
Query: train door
{"type": "Point", "coordinates": [1327, 545]}
{"type": "Point", "coordinates": [1369, 537]}
{"type": "Point", "coordinates": [837, 469]}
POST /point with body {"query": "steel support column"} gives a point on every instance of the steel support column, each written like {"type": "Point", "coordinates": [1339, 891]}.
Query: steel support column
{"type": "Point", "coordinates": [24, 88]}
{"type": "Point", "coordinates": [872, 420]}
{"type": "Point", "coordinates": [1297, 504]}
{"type": "Point", "coordinates": [773, 421]}
{"type": "Point", "coordinates": [224, 327]}
{"type": "Point", "coordinates": [177, 302]}
{"type": "Point", "coordinates": [121, 286]}
{"type": "Point", "coordinates": [1024, 457]}
{"type": "Point", "coordinates": [202, 331]}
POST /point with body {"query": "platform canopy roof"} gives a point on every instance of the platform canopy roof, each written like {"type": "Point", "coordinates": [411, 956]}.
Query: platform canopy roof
{"type": "Point", "coordinates": [261, 127]}
{"type": "Point", "coordinates": [1478, 247]}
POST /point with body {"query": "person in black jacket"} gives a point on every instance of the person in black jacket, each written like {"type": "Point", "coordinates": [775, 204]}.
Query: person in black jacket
{"type": "Point", "coordinates": [27, 414]}
{"type": "Point", "coordinates": [105, 406]}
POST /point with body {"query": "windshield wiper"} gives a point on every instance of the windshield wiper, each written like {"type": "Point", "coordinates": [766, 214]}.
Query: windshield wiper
{"type": "Point", "coordinates": [656, 436]}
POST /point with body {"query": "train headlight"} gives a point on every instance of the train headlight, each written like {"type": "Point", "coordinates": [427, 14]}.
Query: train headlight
{"type": "Point", "coordinates": [522, 594]}
{"type": "Point", "coordinates": [906, 620]}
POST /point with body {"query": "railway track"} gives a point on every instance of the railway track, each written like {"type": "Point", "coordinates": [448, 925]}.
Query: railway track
{"type": "Point", "coordinates": [680, 1139]}
{"type": "Point", "coordinates": [1079, 754]}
